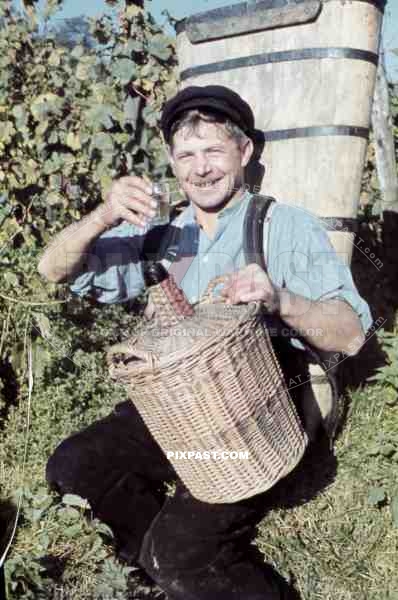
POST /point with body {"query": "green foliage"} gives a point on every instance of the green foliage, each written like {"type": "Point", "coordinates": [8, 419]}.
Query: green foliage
{"type": "Point", "coordinates": [387, 375]}
{"type": "Point", "coordinates": [377, 496]}
{"type": "Point", "coordinates": [340, 544]}
{"type": "Point", "coordinates": [71, 389]}
{"type": "Point", "coordinates": [71, 120]}
{"type": "Point", "coordinates": [65, 536]}
{"type": "Point", "coordinates": [370, 201]}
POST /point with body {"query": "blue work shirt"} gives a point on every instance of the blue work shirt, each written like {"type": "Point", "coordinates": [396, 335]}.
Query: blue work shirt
{"type": "Point", "coordinates": [298, 253]}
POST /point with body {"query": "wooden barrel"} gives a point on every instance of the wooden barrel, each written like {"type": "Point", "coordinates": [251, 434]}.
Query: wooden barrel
{"type": "Point", "coordinates": [307, 68]}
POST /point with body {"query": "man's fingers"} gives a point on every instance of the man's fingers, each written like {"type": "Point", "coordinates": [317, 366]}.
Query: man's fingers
{"type": "Point", "coordinates": [250, 284]}
{"type": "Point", "coordinates": [137, 182]}
{"type": "Point", "coordinates": [243, 291]}
{"type": "Point", "coordinates": [140, 203]}
{"type": "Point", "coordinates": [246, 283]}
{"type": "Point", "coordinates": [237, 286]}
{"type": "Point", "coordinates": [227, 284]}
{"type": "Point", "coordinates": [137, 192]}
{"type": "Point", "coordinates": [133, 187]}
{"type": "Point", "coordinates": [133, 218]}
{"type": "Point", "coordinates": [129, 198]}
{"type": "Point", "coordinates": [137, 203]}
{"type": "Point", "coordinates": [134, 193]}
{"type": "Point", "coordinates": [249, 296]}
{"type": "Point", "coordinates": [232, 294]}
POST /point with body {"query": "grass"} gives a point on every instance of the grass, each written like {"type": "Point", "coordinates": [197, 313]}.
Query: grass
{"type": "Point", "coordinates": [338, 544]}
{"type": "Point", "coordinates": [329, 528]}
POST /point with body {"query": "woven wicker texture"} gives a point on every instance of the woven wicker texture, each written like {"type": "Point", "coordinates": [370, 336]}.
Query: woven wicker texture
{"type": "Point", "coordinates": [164, 298]}
{"type": "Point", "coordinates": [211, 382]}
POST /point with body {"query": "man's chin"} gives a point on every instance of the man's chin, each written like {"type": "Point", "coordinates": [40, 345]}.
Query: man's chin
{"type": "Point", "coordinates": [209, 204]}
{"type": "Point", "coordinates": [210, 200]}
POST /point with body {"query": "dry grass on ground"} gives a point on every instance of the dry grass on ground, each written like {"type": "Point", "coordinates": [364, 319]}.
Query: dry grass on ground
{"type": "Point", "coordinates": [339, 540]}
{"type": "Point", "coordinates": [329, 529]}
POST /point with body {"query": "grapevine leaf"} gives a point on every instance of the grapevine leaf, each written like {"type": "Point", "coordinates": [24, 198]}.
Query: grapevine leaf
{"type": "Point", "coordinates": [135, 46]}
{"type": "Point", "coordinates": [101, 115]}
{"type": "Point", "coordinates": [103, 528]}
{"type": "Point", "coordinates": [75, 500]}
{"type": "Point", "coordinates": [78, 52]}
{"type": "Point", "coordinates": [376, 496]}
{"type": "Point", "coordinates": [131, 110]}
{"type": "Point", "coordinates": [132, 11]}
{"type": "Point", "coordinates": [103, 142]}
{"type": "Point", "coordinates": [44, 324]}
{"type": "Point", "coordinates": [45, 104]}
{"type": "Point", "coordinates": [124, 69]}
{"type": "Point", "coordinates": [73, 531]}
{"type": "Point", "coordinates": [73, 141]}
{"type": "Point", "coordinates": [20, 113]}
{"type": "Point", "coordinates": [68, 514]}
{"type": "Point", "coordinates": [159, 47]}
{"type": "Point", "coordinates": [55, 59]}
{"type": "Point", "coordinates": [150, 115]}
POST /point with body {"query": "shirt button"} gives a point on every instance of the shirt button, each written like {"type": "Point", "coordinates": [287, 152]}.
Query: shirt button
{"type": "Point", "coordinates": [206, 259]}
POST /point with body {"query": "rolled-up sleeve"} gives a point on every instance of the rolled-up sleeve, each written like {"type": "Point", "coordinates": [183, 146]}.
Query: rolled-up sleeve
{"type": "Point", "coordinates": [305, 262]}
{"type": "Point", "coordinates": [112, 272]}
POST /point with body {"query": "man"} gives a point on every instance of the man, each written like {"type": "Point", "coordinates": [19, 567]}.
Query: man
{"type": "Point", "coordinates": [2, 584]}
{"type": "Point", "coordinates": [194, 550]}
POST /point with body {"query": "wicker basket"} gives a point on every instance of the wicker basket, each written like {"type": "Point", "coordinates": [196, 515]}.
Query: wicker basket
{"type": "Point", "coordinates": [211, 383]}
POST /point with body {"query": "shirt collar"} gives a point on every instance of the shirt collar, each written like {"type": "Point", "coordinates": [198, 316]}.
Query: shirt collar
{"type": "Point", "coordinates": [188, 216]}
{"type": "Point", "coordinates": [235, 207]}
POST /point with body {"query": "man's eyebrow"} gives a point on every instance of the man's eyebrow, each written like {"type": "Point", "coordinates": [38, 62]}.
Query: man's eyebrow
{"type": "Point", "coordinates": [219, 146]}
{"type": "Point", "coordinates": [184, 152]}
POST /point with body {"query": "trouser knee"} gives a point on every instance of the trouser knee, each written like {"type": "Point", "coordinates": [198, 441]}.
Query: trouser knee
{"type": "Point", "coordinates": [152, 562]}
{"type": "Point", "coordinates": [62, 467]}
{"type": "Point", "coordinates": [216, 580]}
{"type": "Point", "coordinates": [169, 557]}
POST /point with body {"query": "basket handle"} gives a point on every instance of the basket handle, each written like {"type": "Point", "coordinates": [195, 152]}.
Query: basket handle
{"type": "Point", "coordinates": [128, 352]}
{"type": "Point", "coordinates": [208, 295]}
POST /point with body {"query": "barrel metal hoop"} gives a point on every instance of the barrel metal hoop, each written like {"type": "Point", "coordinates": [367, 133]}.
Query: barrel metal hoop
{"type": "Point", "coordinates": [236, 11]}
{"type": "Point", "coordinates": [343, 224]}
{"type": "Point", "coordinates": [250, 17]}
{"type": "Point", "coordinates": [278, 57]}
{"type": "Point", "coordinates": [240, 9]}
{"type": "Point", "coordinates": [315, 131]}
{"type": "Point", "coordinates": [379, 4]}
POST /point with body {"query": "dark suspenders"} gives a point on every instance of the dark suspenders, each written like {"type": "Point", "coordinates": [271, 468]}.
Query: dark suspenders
{"type": "Point", "coordinates": [163, 241]}
{"type": "Point", "coordinates": [253, 247]}
{"type": "Point", "coordinates": [253, 228]}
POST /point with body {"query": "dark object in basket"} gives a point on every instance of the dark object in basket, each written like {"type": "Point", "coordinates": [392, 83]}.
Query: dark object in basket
{"type": "Point", "coordinates": [212, 383]}
{"type": "Point", "coordinates": [164, 291]}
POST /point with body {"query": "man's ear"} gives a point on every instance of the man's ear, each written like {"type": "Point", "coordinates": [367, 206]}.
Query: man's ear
{"type": "Point", "coordinates": [171, 159]}
{"type": "Point", "coordinates": [247, 149]}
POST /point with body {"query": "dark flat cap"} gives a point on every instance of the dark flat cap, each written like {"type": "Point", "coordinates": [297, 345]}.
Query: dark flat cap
{"type": "Point", "coordinates": [212, 97]}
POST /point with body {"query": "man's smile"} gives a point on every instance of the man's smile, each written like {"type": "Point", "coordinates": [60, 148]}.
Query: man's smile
{"type": "Point", "coordinates": [206, 184]}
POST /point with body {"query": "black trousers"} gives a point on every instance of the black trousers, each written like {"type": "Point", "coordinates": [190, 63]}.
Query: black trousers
{"type": "Point", "coordinates": [193, 550]}
{"type": "Point", "coordinates": [2, 585]}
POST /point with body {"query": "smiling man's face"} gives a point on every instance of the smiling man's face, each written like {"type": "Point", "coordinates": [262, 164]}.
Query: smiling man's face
{"type": "Point", "coordinates": [209, 164]}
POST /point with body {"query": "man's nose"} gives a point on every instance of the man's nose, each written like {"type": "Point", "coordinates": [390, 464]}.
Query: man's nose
{"type": "Point", "coordinates": [202, 164]}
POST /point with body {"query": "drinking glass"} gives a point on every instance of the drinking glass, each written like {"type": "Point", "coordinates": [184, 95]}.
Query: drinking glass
{"type": "Point", "coordinates": [161, 193]}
